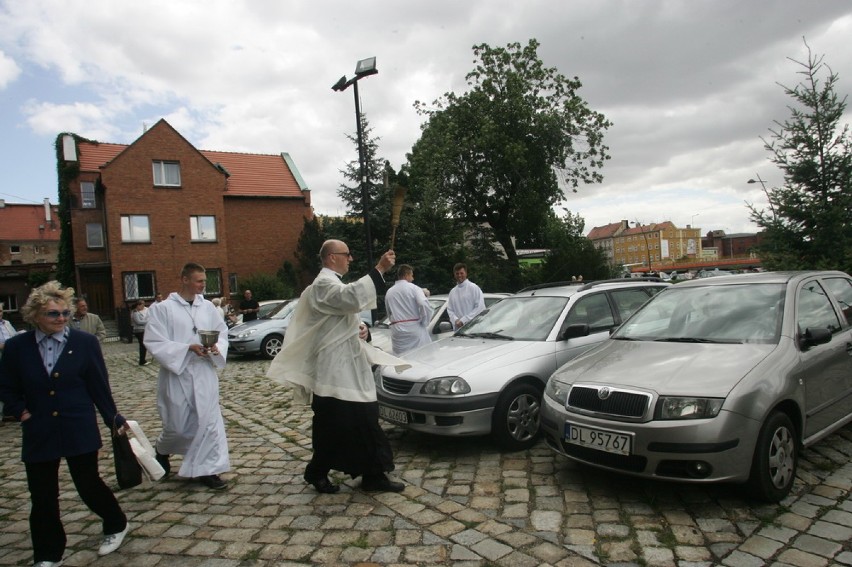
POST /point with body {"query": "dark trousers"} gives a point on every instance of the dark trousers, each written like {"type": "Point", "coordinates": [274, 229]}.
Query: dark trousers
{"type": "Point", "coordinates": [47, 533]}
{"type": "Point", "coordinates": [142, 350]}
{"type": "Point", "coordinates": [346, 436]}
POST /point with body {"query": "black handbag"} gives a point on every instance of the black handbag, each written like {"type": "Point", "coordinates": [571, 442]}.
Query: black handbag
{"type": "Point", "coordinates": [128, 471]}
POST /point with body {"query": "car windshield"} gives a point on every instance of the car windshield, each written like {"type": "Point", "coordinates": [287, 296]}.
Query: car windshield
{"type": "Point", "coordinates": [517, 318]}
{"type": "Point", "coordinates": [283, 310]}
{"type": "Point", "coordinates": [710, 314]}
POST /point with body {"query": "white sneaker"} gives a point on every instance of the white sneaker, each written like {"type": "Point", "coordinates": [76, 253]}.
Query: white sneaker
{"type": "Point", "coordinates": [113, 541]}
{"type": "Point", "coordinates": [48, 563]}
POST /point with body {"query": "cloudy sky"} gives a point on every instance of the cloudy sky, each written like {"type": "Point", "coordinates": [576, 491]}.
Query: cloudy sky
{"type": "Point", "coordinates": [691, 85]}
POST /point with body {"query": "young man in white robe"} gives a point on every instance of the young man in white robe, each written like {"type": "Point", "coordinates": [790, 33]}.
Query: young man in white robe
{"type": "Point", "coordinates": [326, 361]}
{"type": "Point", "coordinates": [409, 312]}
{"type": "Point", "coordinates": [466, 299]}
{"type": "Point", "coordinates": [188, 383]}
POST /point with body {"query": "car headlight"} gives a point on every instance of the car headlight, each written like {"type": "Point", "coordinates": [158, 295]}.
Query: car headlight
{"type": "Point", "coordinates": [448, 386]}
{"type": "Point", "coordinates": [246, 334]}
{"type": "Point", "coordinates": [557, 391]}
{"type": "Point", "coordinates": [689, 408]}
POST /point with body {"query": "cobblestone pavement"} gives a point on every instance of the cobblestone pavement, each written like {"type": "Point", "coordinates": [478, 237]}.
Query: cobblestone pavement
{"type": "Point", "coordinates": [465, 503]}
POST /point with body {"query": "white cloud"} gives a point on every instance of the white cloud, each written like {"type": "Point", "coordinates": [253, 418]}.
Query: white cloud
{"type": "Point", "coordinates": [9, 70]}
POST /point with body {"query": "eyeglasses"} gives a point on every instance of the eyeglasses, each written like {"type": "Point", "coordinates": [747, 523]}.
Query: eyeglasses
{"type": "Point", "coordinates": [54, 314]}
{"type": "Point", "coordinates": [340, 254]}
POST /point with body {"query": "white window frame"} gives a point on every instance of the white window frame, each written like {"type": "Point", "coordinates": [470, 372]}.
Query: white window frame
{"type": "Point", "coordinates": [214, 282]}
{"type": "Point", "coordinates": [202, 228]}
{"type": "Point", "coordinates": [14, 249]}
{"type": "Point", "coordinates": [94, 239]}
{"type": "Point", "coordinates": [166, 173]}
{"type": "Point", "coordinates": [132, 229]}
{"type": "Point", "coordinates": [88, 199]}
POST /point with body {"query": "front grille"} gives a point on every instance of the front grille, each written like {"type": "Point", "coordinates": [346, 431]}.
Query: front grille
{"type": "Point", "coordinates": [619, 402]}
{"type": "Point", "coordinates": [396, 386]}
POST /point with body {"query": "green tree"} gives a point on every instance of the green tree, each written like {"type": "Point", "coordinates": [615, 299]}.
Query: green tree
{"type": "Point", "coordinates": [808, 223]}
{"type": "Point", "coordinates": [307, 251]}
{"type": "Point", "coordinates": [570, 252]}
{"type": "Point", "coordinates": [489, 156]}
{"type": "Point", "coordinates": [265, 286]}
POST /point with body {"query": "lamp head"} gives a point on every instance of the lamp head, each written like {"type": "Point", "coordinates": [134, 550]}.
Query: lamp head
{"type": "Point", "coordinates": [340, 84]}
{"type": "Point", "coordinates": [366, 67]}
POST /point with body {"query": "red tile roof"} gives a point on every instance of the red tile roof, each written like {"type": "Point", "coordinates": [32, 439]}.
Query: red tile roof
{"type": "Point", "coordinates": [21, 222]}
{"type": "Point", "coordinates": [606, 231]}
{"type": "Point", "coordinates": [255, 175]}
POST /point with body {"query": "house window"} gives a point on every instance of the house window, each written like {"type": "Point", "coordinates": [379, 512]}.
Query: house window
{"type": "Point", "coordinates": [87, 191]}
{"type": "Point", "coordinates": [202, 228]}
{"type": "Point", "coordinates": [134, 228]}
{"type": "Point", "coordinates": [14, 249]}
{"type": "Point", "coordinates": [232, 283]}
{"type": "Point", "coordinates": [167, 173]}
{"type": "Point", "coordinates": [9, 302]}
{"type": "Point", "coordinates": [94, 235]}
{"type": "Point", "coordinates": [214, 282]}
{"type": "Point", "coordinates": [138, 285]}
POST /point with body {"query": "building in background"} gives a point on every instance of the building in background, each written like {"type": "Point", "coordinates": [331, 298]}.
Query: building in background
{"type": "Point", "coordinates": [655, 246]}
{"type": "Point", "coordinates": [29, 244]}
{"type": "Point", "coordinates": [138, 212]}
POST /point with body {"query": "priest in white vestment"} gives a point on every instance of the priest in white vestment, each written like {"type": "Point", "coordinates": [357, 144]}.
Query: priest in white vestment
{"type": "Point", "coordinates": [324, 359]}
{"type": "Point", "coordinates": [409, 312]}
{"type": "Point", "coordinates": [466, 299]}
{"type": "Point", "coordinates": [188, 383]}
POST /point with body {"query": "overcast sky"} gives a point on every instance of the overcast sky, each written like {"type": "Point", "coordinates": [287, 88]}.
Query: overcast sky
{"type": "Point", "coordinates": [691, 86]}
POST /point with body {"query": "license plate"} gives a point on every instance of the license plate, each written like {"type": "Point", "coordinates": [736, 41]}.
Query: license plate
{"type": "Point", "coordinates": [394, 415]}
{"type": "Point", "coordinates": [600, 439]}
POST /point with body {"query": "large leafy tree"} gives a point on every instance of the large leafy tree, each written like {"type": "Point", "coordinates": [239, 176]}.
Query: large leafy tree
{"type": "Point", "coordinates": [808, 222]}
{"type": "Point", "coordinates": [489, 156]}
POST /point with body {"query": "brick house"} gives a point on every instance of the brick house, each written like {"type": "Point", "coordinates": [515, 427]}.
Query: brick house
{"type": "Point", "coordinates": [139, 212]}
{"type": "Point", "coordinates": [29, 243]}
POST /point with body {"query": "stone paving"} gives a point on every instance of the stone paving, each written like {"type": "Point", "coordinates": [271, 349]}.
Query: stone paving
{"type": "Point", "coordinates": [465, 503]}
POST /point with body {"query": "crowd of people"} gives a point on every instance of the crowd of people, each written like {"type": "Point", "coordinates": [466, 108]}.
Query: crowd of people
{"type": "Point", "coordinates": [326, 360]}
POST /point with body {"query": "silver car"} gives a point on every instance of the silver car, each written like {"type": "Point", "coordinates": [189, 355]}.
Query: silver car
{"type": "Point", "coordinates": [439, 325]}
{"type": "Point", "coordinates": [488, 377]}
{"type": "Point", "coordinates": [716, 379]}
{"type": "Point", "coordinates": [262, 336]}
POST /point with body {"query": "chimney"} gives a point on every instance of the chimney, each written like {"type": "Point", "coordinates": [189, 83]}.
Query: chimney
{"type": "Point", "coordinates": [47, 210]}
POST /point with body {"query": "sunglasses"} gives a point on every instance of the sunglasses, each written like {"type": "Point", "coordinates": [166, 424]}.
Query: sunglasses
{"type": "Point", "coordinates": [54, 314]}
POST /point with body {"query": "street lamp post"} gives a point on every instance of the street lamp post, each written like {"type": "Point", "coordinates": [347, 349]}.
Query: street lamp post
{"type": "Point", "coordinates": [364, 68]}
{"type": "Point", "coordinates": [647, 249]}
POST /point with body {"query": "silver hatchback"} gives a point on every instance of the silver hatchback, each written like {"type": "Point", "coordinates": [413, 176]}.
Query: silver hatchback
{"type": "Point", "coordinates": [488, 377]}
{"type": "Point", "coordinates": [717, 379]}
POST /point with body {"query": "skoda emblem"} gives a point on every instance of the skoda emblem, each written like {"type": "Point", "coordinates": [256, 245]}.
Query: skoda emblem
{"type": "Point", "coordinates": [604, 393]}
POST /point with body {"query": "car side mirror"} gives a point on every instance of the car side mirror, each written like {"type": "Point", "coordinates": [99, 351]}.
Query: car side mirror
{"type": "Point", "coordinates": [813, 337]}
{"type": "Point", "coordinates": [574, 331]}
{"type": "Point", "coordinates": [443, 327]}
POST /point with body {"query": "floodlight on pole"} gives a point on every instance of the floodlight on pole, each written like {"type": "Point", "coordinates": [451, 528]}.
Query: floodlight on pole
{"type": "Point", "coordinates": [364, 68]}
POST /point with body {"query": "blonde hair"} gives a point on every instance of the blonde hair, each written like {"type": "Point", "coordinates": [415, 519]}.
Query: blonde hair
{"type": "Point", "coordinates": [42, 295]}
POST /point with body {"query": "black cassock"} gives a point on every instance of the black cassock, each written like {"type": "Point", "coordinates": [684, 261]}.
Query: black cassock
{"type": "Point", "coordinates": [347, 437]}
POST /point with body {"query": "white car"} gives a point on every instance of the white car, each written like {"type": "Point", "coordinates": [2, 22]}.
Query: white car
{"type": "Point", "coordinates": [488, 377]}
{"type": "Point", "coordinates": [439, 325]}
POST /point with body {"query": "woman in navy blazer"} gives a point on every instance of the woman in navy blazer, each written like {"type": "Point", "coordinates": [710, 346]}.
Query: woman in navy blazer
{"type": "Point", "coordinates": [52, 379]}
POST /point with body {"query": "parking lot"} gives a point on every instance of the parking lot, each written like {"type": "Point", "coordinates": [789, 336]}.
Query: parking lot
{"type": "Point", "coordinates": [465, 502]}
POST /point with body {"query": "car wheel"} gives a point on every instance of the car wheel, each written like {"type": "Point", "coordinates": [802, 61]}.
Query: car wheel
{"type": "Point", "coordinates": [773, 467]}
{"type": "Point", "coordinates": [271, 346]}
{"type": "Point", "coordinates": [515, 422]}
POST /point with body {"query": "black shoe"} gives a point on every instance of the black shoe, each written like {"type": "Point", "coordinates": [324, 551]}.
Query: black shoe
{"type": "Point", "coordinates": [213, 482]}
{"type": "Point", "coordinates": [325, 486]}
{"type": "Point", "coordinates": [164, 462]}
{"type": "Point", "coordinates": [380, 483]}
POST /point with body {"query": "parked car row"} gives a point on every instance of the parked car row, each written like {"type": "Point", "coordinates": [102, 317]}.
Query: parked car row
{"type": "Point", "coordinates": [723, 378]}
